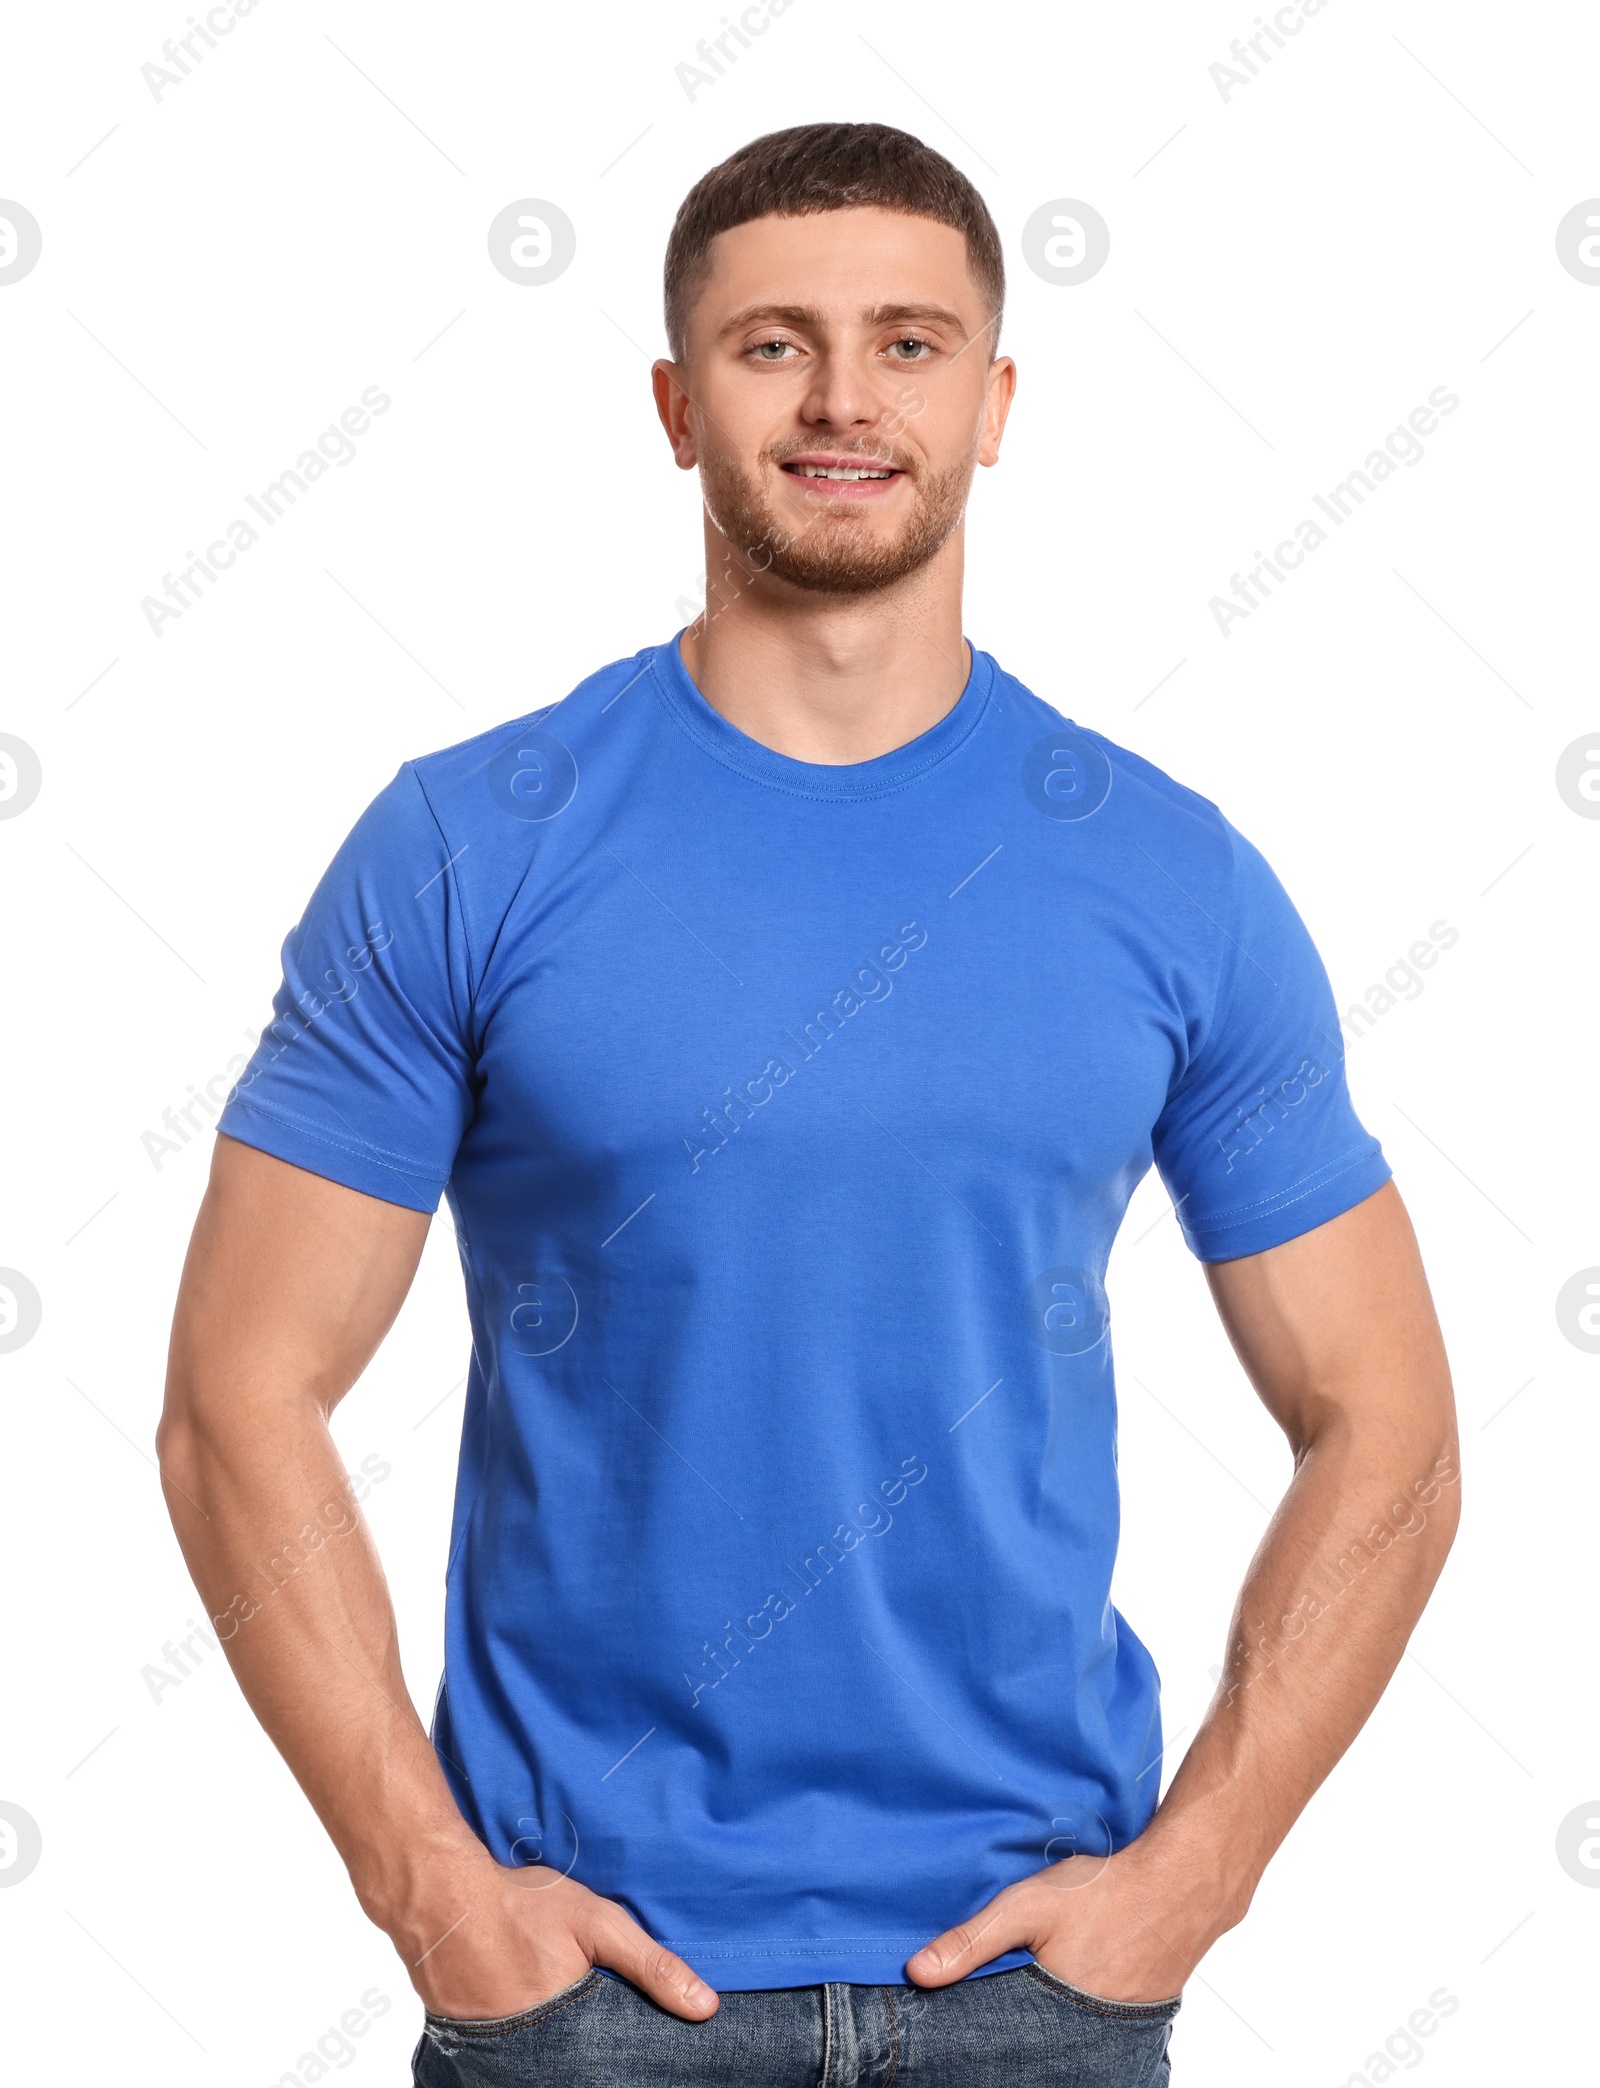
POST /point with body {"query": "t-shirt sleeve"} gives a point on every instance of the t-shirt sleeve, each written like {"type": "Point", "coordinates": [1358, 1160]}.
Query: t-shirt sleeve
{"type": "Point", "coordinates": [365, 1073]}
{"type": "Point", "coordinates": [1258, 1140]}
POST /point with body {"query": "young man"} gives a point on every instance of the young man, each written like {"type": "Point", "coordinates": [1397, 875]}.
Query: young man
{"type": "Point", "coordinates": [788, 1015]}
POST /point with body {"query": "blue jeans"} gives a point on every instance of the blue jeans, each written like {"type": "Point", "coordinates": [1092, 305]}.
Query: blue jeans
{"type": "Point", "coordinates": [1020, 2029]}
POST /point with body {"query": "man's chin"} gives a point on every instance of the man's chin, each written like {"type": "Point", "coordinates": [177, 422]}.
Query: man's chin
{"type": "Point", "coordinates": [854, 554]}
{"type": "Point", "coordinates": [858, 568]}
{"type": "Point", "coordinates": [844, 575]}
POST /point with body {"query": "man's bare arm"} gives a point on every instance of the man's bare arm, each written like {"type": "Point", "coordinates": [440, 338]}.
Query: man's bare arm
{"type": "Point", "coordinates": [290, 1284]}
{"type": "Point", "coordinates": [1337, 1332]}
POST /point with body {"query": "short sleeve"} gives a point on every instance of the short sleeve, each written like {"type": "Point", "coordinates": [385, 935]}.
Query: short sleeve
{"type": "Point", "coordinates": [1258, 1140]}
{"type": "Point", "coordinates": [365, 1073]}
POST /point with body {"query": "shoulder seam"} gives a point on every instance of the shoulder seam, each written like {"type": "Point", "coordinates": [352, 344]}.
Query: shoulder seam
{"type": "Point", "coordinates": [1220, 1005]}
{"type": "Point", "coordinates": [455, 883]}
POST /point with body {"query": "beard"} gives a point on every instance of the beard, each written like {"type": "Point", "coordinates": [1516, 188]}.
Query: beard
{"type": "Point", "coordinates": [837, 550]}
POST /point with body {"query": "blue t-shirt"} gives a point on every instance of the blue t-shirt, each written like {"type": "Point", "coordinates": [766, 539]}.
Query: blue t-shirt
{"type": "Point", "coordinates": [787, 1114]}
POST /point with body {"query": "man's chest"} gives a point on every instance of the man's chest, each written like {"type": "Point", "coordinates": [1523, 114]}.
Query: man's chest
{"type": "Point", "coordinates": [646, 1021]}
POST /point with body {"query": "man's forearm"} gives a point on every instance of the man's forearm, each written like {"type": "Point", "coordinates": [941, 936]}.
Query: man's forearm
{"type": "Point", "coordinates": [1332, 1593]}
{"type": "Point", "coordinates": [1322, 1619]}
{"type": "Point", "coordinates": [286, 1565]}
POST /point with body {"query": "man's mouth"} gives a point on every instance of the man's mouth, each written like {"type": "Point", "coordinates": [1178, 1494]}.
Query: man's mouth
{"type": "Point", "coordinates": [843, 476]}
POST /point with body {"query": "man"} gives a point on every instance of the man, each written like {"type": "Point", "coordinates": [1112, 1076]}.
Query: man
{"type": "Point", "coordinates": [788, 1015]}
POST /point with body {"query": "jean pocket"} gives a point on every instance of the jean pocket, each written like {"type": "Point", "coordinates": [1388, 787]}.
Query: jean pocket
{"type": "Point", "coordinates": [1098, 2004]}
{"type": "Point", "coordinates": [449, 2032]}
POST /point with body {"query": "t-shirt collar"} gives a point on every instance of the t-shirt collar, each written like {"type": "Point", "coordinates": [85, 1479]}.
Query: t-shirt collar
{"type": "Point", "coordinates": [854, 779]}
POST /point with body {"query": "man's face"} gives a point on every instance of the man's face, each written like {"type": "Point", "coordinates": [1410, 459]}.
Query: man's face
{"type": "Point", "coordinates": [820, 348]}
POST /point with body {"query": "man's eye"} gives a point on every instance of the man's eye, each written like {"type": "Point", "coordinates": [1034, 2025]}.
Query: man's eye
{"type": "Point", "coordinates": [772, 351]}
{"type": "Point", "coordinates": [920, 350]}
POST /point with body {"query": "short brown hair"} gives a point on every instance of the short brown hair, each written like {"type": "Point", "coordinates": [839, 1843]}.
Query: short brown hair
{"type": "Point", "coordinates": [827, 166]}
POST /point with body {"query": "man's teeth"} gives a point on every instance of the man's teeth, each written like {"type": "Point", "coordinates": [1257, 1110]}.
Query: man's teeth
{"type": "Point", "coordinates": [832, 471]}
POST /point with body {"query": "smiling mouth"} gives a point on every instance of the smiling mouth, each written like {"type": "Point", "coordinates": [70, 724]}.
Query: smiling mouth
{"type": "Point", "coordinates": [838, 471]}
{"type": "Point", "coordinates": [836, 477]}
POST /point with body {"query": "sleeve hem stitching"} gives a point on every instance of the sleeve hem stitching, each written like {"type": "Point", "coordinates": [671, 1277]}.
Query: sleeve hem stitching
{"type": "Point", "coordinates": [395, 1163]}
{"type": "Point", "coordinates": [1268, 1206]}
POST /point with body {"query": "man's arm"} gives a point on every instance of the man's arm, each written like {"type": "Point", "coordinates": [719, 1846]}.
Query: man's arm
{"type": "Point", "coordinates": [290, 1284]}
{"type": "Point", "coordinates": [1337, 1332]}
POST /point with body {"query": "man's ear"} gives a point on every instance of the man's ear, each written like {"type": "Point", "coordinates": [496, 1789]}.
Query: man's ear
{"type": "Point", "coordinates": [996, 405]}
{"type": "Point", "coordinates": [674, 406]}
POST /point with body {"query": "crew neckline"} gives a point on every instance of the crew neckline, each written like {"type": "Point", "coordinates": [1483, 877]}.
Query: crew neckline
{"type": "Point", "coordinates": [710, 730]}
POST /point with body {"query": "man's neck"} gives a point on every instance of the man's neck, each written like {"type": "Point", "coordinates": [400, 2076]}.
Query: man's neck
{"type": "Point", "coordinates": [831, 678]}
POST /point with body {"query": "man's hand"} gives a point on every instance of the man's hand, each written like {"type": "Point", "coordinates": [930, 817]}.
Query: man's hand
{"type": "Point", "coordinates": [1128, 1927]}
{"type": "Point", "coordinates": [481, 1941]}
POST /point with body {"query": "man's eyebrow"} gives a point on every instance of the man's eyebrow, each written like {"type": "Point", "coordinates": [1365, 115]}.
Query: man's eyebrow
{"type": "Point", "coordinates": [917, 314]}
{"type": "Point", "coordinates": [811, 316]}
{"type": "Point", "coordinates": [776, 314]}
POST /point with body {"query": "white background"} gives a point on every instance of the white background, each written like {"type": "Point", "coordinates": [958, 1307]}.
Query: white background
{"type": "Point", "coordinates": [1290, 274]}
